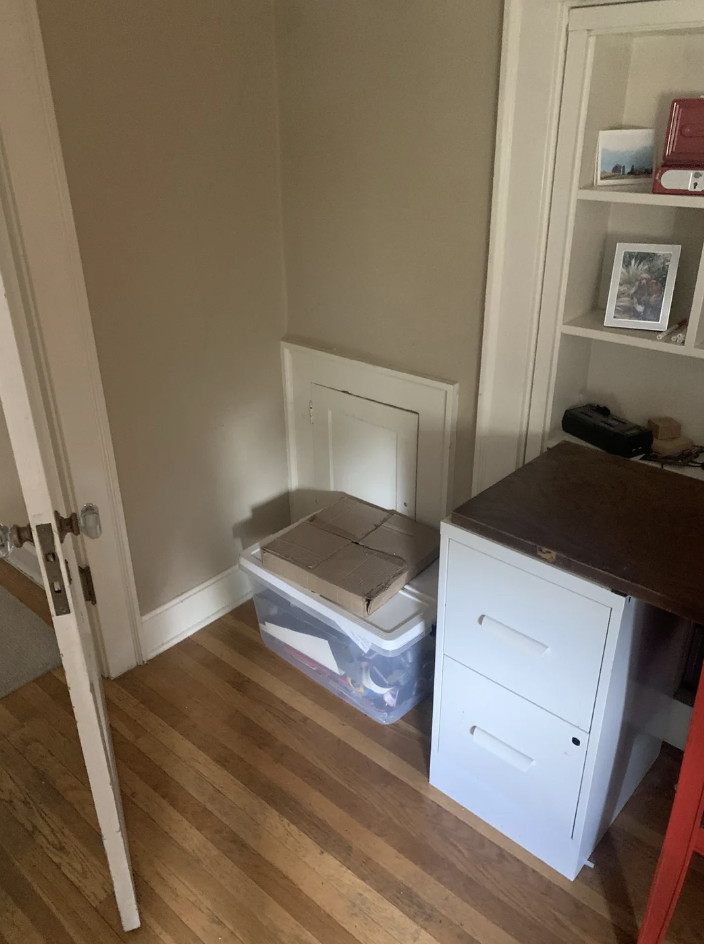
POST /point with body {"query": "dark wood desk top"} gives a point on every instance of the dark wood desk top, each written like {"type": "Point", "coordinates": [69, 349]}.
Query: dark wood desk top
{"type": "Point", "coordinates": [620, 523]}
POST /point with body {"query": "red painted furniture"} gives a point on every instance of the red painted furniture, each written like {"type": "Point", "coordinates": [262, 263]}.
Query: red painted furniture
{"type": "Point", "coordinates": [684, 835]}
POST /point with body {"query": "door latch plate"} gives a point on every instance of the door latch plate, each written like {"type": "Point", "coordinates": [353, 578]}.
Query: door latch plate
{"type": "Point", "coordinates": [52, 566]}
{"type": "Point", "coordinates": [87, 585]}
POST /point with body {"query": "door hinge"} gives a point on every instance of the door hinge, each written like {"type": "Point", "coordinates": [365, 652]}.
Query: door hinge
{"type": "Point", "coordinates": [310, 411]}
{"type": "Point", "coordinates": [87, 585]}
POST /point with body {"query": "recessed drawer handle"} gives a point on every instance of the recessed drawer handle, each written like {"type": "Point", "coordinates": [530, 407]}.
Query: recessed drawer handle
{"type": "Point", "coordinates": [500, 749]}
{"type": "Point", "coordinates": [512, 637]}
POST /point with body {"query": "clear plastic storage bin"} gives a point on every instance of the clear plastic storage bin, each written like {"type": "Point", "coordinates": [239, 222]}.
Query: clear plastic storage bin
{"type": "Point", "coordinates": [382, 664]}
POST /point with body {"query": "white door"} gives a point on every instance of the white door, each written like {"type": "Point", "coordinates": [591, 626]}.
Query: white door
{"type": "Point", "coordinates": [27, 423]}
{"type": "Point", "coordinates": [365, 448]}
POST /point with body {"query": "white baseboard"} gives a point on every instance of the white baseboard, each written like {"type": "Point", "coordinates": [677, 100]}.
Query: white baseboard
{"type": "Point", "coordinates": [25, 560]}
{"type": "Point", "coordinates": [670, 721]}
{"type": "Point", "coordinates": [678, 724]}
{"type": "Point", "coordinates": [184, 615]}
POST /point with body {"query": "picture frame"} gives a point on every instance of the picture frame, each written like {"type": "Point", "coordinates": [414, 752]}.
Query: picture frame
{"type": "Point", "coordinates": [625, 157]}
{"type": "Point", "coordinates": [641, 286]}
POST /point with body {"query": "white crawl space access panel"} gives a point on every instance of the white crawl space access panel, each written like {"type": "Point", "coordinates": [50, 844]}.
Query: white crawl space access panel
{"type": "Point", "coordinates": [381, 435]}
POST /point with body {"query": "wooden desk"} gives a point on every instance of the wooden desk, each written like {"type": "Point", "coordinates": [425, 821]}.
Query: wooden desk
{"type": "Point", "coordinates": [620, 523]}
{"type": "Point", "coordinates": [566, 592]}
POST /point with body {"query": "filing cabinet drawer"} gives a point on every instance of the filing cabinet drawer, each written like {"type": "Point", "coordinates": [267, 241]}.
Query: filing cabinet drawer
{"type": "Point", "coordinates": [537, 639]}
{"type": "Point", "coordinates": [526, 754]}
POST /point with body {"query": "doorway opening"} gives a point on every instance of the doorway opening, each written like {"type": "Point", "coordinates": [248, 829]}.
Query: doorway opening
{"type": "Point", "coordinates": [28, 647]}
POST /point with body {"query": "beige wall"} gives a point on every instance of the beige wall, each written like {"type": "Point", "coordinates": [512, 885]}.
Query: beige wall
{"type": "Point", "coordinates": [12, 509]}
{"type": "Point", "coordinates": [387, 131]}
{"type": "Point", "coordinates": [167, 112]}
{"type": "Point", "coordinates": [167, 116]}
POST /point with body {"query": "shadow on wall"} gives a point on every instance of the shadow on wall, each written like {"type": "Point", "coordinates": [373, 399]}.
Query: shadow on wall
{"type": "Point", "coordinates": [274, 515]}
{"type": "Point", "coordinates": [269, 517]}
{"type": "Point", "coordinates": [265, 519]}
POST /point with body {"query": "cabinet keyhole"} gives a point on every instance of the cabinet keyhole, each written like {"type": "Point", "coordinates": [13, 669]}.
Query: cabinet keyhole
{"type": "Point", "coordinates": [576, 742]}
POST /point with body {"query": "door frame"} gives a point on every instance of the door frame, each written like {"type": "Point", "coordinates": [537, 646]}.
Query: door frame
{"type": "Point", "coordinates": [530, 91]}
{"type": "Point", "coordinates": [48, 266]}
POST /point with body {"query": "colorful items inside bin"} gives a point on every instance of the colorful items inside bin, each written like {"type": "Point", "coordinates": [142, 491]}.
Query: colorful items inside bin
{"type": "Point", "coordinates": [383, 684]}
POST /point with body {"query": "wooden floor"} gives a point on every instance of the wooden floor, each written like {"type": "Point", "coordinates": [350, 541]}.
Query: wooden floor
{"type": "Point", "coordinates": [262, 809]}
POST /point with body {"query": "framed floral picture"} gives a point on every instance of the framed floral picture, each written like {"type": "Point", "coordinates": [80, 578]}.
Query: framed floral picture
{"type": "Point", "coordinates": [642, 282]}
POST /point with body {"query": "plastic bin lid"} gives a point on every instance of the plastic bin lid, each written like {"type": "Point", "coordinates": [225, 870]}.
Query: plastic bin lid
{"type": "Point", "coordinates": [407, 616]}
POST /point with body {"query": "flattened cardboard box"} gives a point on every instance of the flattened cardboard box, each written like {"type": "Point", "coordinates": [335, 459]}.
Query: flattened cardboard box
{"type": "Point", "coordinates": [352, 553]}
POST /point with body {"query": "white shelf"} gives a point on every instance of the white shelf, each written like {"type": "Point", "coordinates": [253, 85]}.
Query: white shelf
{"type": "Point", "coordinates": [591, 325]}
{"type": "Point", "coordinates": [618, 194]}
{"type": "Point", "coordinates": [559, 436]}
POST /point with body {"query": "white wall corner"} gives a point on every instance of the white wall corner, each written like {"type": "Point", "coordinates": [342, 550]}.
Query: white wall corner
{"type": "Point", "coordinates": [186, 614]}
{"type": "Point", "coordinates": [25, 560]}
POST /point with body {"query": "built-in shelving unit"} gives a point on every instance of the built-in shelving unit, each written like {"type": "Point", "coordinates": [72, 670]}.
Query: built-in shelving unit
{"type": "Point", "coordinates": [619, 80]}
{"type": "Point", "coordinates": [591, 325]}
{"type": "Point", "coordinates": [639, 196]}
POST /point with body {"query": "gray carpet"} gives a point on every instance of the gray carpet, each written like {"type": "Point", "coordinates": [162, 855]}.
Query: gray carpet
{"type": "Point", "coordinates": [27, 645]}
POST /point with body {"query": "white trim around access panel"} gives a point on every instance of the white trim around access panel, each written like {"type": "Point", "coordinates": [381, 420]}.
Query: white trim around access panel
{"type": "Point", "coordinates": [49, 270]}
{"type": "Point", "coordinates": [435, 402]}
{"type": "Point", "coordinates": [191, 611]}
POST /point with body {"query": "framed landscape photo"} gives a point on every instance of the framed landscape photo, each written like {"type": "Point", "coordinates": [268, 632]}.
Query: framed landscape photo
{"type": "Point", "coordinates": [642, 282]}
{"type": "Point", "coordinates": [624, 157]}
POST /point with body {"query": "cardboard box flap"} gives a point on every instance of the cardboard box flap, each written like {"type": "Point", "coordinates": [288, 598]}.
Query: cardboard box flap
{"type": "Point", "coordinates": [417, 544]}
{"type": "Point", "coordinates": [350, 518]}
{"type": "Point", "coordinates": [360, 571]}
{"type": "Point", "coordinates": [305, 545]}
{"type": "Point", "coordinates": [355, 554]}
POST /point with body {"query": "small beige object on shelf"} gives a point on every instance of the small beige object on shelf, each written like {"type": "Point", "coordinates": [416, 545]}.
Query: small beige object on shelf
{"type": "Point", "coordinates": [664, 427]}
{"type": "Point", "coordinates": [670, 447]}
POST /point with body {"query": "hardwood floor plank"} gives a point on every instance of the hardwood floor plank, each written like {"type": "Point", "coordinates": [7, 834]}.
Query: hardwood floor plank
{"type": "Point", "coordinates": [238, 902]}
{"type": "Point", "coordinates": [263, 810]}
{"type": "Point", "coordinates": [45, 748]}
{"type": "Point", "coordinates": [247, 893]}
{"type": "Point", "coordinates": [160, 924]}
{"type": "Point", "coordinates": [58, 893]}
{"type": "Point", "coordinates": [29, 740]}
{"type": "Point", "coordinates": [500, 910]}
{"type": "Point", "coordinates": [353, 905]}
{"type": "Point", "coordinates": [350, 833]}
{"type": "Point", "coordinates": [178, 894]}
{"type": "Point", "coordinates": [26, 899]}
{"type": "Point", "coordinates": [17, 705]}
{"type": "Point", "coordinates": [8, 722]}
{"type": "Point", "coordinates": [504, 886]}
{"type": "Point", "coordinates": [400, 895]}
{"type": "Point", "coordinates": [25, 590]}
{"type": "Point", "coordinates": [261, 885]}
{"type": "Point", "coordinates": [332, 724]}
{"type": "Point", "coordinates": [53, 824]}
{"type": "Point", "coordinates": [400, 738]}
{"type": "Point", "coordinates": [273, 784]}
{"type": "Point", "coordinates": [16, 925]}
{"type": "Point", "coordinates": [350, 849]}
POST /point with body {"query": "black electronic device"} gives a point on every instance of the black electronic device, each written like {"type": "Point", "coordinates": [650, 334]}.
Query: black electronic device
{"type": "Point", "coordinates": [597, 425]}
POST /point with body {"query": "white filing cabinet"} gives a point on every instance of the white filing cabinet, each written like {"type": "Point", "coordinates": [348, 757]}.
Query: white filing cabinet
{"type": "Point", "coordinates": [548, 691]}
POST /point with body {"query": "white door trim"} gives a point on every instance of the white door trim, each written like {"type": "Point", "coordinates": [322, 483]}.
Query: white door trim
{"type": "Point", "coordinates": [30, 427]}
{"type": "Point", "coordinates": [435, 402]}
{"type": "Point", "coordinates": [48, 266]}
{"type": "Point", "coordinates": [530, 88]}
